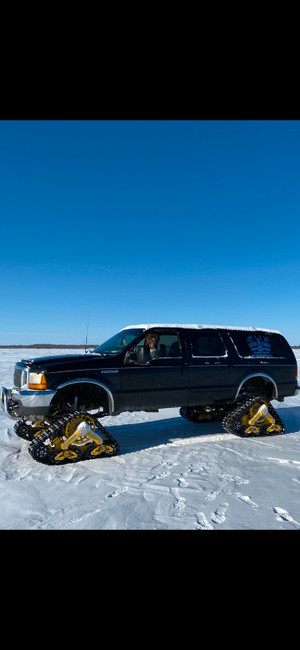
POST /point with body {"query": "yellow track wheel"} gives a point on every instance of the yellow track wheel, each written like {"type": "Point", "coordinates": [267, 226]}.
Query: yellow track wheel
{"type": "Point", "coordinates": [93, 451]}
{"type": "Point", "coordinates": [72, 455]}
{"type": "Point", "coordinates": [72, 426]}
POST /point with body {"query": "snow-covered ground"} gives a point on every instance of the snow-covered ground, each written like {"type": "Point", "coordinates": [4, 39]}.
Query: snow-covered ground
{"type": "Point", "coordinates": [170, 474]}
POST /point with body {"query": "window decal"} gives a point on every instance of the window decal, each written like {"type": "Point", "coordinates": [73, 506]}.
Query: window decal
{"type": "Point", "coordinates": [260, 345]}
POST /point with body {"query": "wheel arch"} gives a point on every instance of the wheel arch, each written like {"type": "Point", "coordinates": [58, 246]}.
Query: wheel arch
{"type": "Point", "coordinates": [255, 379]}
{"type": "Point", "coordinates": [71, 386]}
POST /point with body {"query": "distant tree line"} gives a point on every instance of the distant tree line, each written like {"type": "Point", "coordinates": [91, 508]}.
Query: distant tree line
{"type": "Point", "coordinates": [50, 345]}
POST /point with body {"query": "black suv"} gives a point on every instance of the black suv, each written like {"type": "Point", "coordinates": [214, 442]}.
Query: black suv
{"type": "Point", "coordinates": [211, 373]}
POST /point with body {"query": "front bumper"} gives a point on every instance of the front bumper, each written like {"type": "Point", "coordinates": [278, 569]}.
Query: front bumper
{"type": "Point", "coordinates": [25, 403]}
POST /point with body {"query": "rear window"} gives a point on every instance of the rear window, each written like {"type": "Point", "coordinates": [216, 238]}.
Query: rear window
{"type": "Point", "coordinates": [207, 344]}
{"type": "Point", "coordinates": [258, 344]}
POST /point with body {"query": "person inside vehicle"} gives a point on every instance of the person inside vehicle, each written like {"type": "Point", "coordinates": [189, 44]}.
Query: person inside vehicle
{"type": "Point", "coordinates": [152, 346]}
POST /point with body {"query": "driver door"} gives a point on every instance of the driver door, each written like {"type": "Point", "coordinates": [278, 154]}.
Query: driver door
{"type": "Point", "coordinates": [155, 381]}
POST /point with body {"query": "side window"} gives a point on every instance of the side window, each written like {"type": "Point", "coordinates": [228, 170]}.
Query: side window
{"type": "Point", "coordinates": [207, 344]}
{"type": "Point", "coordinates": [156, 345]}
{"type": "Point", "coordinates": [258, 344]}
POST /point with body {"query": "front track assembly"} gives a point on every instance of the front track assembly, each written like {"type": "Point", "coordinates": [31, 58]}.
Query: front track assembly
{"type": "Point", "coordinates": [67, 439]}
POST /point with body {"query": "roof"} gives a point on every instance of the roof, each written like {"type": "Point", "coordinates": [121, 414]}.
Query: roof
{"type": "Point", "coordinates": [198, 327]}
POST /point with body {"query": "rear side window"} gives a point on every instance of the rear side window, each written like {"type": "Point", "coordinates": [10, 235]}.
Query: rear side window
{"type": "Point", "coordinates": [207, 344]}
{"type": "Point", "coordinates": [258, 344]}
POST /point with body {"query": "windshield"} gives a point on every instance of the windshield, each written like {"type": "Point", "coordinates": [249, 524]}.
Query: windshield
{"type": "Point", "coordinates": [118, 342]}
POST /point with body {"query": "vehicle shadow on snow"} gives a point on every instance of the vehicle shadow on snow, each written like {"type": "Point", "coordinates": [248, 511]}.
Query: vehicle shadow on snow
{"type": "Point", "coordinates": [138, 436]}
{"type": "Point", "coordinates": [290, 415]}
{"type": "Point", "coordinates": [144, 435]}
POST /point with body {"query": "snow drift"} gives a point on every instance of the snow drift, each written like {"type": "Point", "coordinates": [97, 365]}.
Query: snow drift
{"type": "Point", "coordinates": [170, 474]}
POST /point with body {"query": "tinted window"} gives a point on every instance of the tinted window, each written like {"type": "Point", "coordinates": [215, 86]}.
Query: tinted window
{"type": "Point", "coordinates": [258, 344]}
{"type": "Point", "coordinates": [207, 344]}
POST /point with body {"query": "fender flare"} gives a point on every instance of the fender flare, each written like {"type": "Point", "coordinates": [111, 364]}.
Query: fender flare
{"type": "Point", "coordinates": [111, 401]}
{"type": "Point", "coordinates": [263, 376]}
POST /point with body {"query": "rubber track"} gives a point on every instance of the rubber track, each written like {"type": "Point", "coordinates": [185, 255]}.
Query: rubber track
{"type": "Point", "coordinates": [235, 417]}
{"type": "Point", "coordinates": [56, 429]}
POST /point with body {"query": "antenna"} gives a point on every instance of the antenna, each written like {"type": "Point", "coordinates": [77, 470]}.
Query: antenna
{"type": "Point", "coordinates": [87, 329]}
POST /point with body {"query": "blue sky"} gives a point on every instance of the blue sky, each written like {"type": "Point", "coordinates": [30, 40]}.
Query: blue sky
{"type": "Point", "coordinates": [114, 223]}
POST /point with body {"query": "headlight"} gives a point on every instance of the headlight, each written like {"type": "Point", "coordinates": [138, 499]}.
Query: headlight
{"type": "Point", "coordinates": [37, 381]}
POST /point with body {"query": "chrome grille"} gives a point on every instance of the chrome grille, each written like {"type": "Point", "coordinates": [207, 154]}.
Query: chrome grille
{"type": "Point", "coordinates": [20, 377]}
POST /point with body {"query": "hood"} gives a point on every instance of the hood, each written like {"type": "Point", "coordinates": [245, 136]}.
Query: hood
{"type": "Point", "coordinates": [60, 362]}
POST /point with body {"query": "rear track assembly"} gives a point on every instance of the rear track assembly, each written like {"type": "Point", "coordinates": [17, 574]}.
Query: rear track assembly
{"type": "Point", "coordinates": [202, 414]}
{"type": "Point", "coordinates": [254, 417]}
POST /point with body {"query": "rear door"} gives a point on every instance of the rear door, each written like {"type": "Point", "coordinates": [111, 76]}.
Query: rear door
{"type": "Point", "coordinates": [210, 379]}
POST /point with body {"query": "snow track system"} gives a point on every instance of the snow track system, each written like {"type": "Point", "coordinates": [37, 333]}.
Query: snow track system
{"type": "Point", "coordinates": [255, 416]}
{"type": "Point", "coordinates": [78, 436]}
{"type": "Point", "coordinates": [69, 438]}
